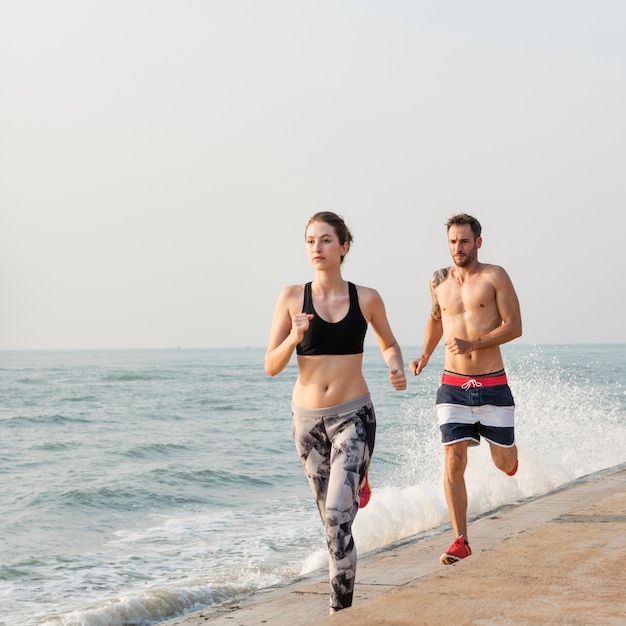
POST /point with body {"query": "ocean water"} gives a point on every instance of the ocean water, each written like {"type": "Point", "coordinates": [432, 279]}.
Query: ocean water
{"type": "Point", "coordinates": [140, 485]}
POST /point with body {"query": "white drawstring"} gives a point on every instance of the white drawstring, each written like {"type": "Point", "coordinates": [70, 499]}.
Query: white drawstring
{"type": "Point", "coordinates": [472, 382]}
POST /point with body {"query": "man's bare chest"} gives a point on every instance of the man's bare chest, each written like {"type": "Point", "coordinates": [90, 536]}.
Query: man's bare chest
{"type": "Point", "coordinates": [457, 299]}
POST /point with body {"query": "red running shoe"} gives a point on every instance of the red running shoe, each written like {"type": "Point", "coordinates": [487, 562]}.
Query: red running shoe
{"type": "Point", "coordinates": [366, 490]}
{"type": "Point", "coordinates": [458, 550]}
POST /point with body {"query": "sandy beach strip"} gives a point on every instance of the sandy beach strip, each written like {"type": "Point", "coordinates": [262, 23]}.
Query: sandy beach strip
{"type": "Point", "coordinates": [552, 559]}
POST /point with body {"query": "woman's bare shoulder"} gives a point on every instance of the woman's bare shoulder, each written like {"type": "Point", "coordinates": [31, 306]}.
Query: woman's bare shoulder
{"type": "Point", "coordinates": [291, 293]}
{"type": "Point", "coordinates": [368, 296]}
{"type": "Point", "coordinates": [293, 289]}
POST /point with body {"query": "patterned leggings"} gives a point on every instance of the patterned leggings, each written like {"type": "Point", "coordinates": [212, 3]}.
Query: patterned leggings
{"type": "Point", "coordinates": [335, 445]}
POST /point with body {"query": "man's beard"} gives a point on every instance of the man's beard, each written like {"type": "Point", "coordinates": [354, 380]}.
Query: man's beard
{"type": "Point", "coordinates": [465, 260]}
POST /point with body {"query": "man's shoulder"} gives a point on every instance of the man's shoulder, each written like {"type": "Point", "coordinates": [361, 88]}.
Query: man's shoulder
{"type": "Point", "coordinates": [490, 267]}
{"type": "Point", "coordinates": [489, 270]}
{"type": "Point", "coordinates": [439, 276]}
{"type": "Point", "coordinates": [494, 276]}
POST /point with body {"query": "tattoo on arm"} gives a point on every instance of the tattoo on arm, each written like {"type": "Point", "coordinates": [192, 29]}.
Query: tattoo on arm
{"type": "Point", "coordinates": [438, 277]}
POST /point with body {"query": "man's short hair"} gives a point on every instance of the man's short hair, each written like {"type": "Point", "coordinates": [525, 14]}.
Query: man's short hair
{"type": "Point", "coordinates": [463, 218]}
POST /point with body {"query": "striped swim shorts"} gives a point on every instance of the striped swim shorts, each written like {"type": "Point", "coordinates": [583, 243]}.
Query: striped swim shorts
{"type": "Point", "coordinates": [471, 406]}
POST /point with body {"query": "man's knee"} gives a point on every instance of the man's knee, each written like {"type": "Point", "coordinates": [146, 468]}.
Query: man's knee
{"type": "Point", "coordinates": [504, 458]}
{"type": "Point", "coordinates": [456, 459]}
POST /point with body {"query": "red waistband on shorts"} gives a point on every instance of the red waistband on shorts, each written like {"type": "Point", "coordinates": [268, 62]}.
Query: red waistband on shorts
{"type": "Point", "coordinates": [467, 382]}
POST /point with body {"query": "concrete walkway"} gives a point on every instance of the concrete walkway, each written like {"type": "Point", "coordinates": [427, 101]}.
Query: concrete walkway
{"type": "Point", "coordinates": [555, 559]}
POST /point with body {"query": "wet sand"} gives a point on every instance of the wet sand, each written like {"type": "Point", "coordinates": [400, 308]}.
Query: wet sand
{"type": "Point", "coordinates": [559, 558]}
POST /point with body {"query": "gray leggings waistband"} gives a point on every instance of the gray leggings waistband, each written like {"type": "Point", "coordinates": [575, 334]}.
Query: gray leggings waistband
{"type": "Point", "coordinates": [345, 407]}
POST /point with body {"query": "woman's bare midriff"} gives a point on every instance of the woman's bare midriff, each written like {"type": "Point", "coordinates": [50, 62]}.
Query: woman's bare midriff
{"type": "Point", "coordinates": [329, 379]}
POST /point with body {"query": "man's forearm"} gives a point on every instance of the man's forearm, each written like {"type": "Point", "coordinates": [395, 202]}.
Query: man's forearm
{"type": "Point", "coordinates": [496, 337]}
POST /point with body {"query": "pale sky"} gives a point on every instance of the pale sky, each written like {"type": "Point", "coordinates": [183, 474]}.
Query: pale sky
{"type": "Point", "coordinates": [159, 161]}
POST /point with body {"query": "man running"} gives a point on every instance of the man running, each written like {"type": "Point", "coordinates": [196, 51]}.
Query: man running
{"type": "Point", "coordinates": [475, 308]}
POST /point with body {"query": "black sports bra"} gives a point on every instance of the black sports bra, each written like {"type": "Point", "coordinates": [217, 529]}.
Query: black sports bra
{"type": "Point", "coordinates": [343, 337]}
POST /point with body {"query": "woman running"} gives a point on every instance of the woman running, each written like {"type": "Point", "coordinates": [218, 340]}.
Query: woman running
{"type": "Point", "coordinates": [334, 424]}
